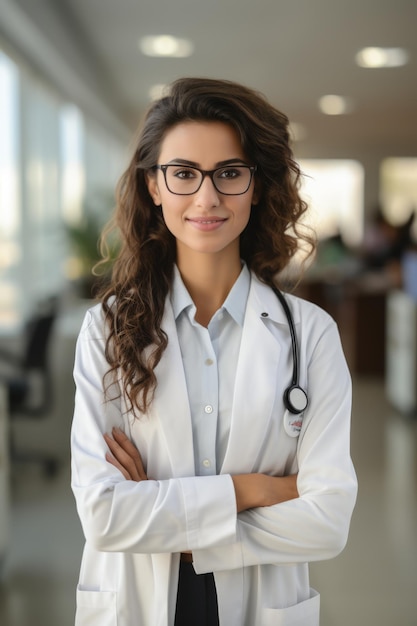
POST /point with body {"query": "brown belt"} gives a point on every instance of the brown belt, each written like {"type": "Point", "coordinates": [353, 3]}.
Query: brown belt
{"type": "Point", "coordinates": [186, 557]}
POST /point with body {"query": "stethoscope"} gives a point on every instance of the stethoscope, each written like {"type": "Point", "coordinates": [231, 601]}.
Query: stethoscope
{"type": "Point", "coordinates": [295, 398]}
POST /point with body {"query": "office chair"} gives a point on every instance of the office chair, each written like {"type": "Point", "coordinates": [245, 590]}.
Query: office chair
{"type": "Point", "coordinates": [29, 386]}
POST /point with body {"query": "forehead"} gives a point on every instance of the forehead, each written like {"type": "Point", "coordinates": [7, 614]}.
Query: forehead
{"type": "Point", "coordinates": [201, 142]}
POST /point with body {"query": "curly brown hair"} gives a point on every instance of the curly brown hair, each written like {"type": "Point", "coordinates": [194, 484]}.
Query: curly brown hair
{"type": "Point", "coordinates": [134, 300]}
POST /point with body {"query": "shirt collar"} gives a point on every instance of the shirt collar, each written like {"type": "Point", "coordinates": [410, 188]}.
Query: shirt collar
{"type": "Point", "coordinates": [235, 303]}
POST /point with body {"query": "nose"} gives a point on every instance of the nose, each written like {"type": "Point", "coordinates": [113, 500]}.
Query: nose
{"type": "Point", "coordinates": [207, 195]}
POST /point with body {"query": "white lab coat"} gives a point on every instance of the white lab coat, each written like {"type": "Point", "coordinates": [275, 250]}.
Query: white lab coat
{"type": "Point", "coordinates": [135, 531]}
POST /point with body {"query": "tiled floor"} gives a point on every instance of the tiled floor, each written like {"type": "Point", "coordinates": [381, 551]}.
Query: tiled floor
{"type": "Point", "coordinates": [40, 572]}
{"type": "Point", "coordinates": [373, 583]}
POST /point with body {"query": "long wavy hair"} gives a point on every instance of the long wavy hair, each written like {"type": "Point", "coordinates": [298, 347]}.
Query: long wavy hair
{"type": "Point", "coordinates": [134, 299]}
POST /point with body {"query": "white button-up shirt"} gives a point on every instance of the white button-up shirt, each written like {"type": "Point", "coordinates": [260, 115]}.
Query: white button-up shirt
{"type": "Point", "coordinates": [210, 356]}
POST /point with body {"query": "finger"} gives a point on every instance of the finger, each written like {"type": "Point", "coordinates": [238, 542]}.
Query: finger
{"type": "Point", "coordinates": [116, 464]}
{"type": "Point", "coordinates": [132, 466]}
{"type": "Point", "coordinates": [122, 458]}
{"type": "Point", "coordinates": [126, 444]}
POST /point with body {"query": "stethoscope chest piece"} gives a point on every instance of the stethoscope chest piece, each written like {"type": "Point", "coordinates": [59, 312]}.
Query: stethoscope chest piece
{"type": "Point", "coordinates": [295, 399]}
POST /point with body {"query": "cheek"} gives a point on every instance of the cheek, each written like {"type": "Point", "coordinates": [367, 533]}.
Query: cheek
{"type": "Point", "coordinates": [172, 211]}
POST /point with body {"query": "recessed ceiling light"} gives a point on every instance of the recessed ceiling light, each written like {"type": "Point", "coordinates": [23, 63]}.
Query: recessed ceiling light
{"type": "Point", "coordinates": [374, 57]}
{"type": "Point", "coordinates": [335, 105]}
{"type": "Point", "coordinates": [166, 46]}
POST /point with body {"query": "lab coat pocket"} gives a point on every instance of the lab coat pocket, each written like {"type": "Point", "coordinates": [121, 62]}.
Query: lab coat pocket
{"type": "Point", "coordinates": [307, 612]}
{"type": "Point", "coordinates": [96, 608]}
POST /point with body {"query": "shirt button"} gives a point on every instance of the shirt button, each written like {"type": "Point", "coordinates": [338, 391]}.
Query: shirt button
{"type": "Point", "coordinates": [209, 361]}
{"type": "Point", "coordinates": [206, 463]}
{"type": "Point", "coordinates": [208, 409]}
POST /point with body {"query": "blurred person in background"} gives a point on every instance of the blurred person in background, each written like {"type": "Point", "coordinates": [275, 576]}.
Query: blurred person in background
{"type": "Point", "coordinates": [385, 245]}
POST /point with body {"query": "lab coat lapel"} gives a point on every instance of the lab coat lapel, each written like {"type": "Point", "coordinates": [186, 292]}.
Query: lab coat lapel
{"type": "Point", "coordinates": [255, 384]}
{"type": "Point", "coordinates": [171, 405]}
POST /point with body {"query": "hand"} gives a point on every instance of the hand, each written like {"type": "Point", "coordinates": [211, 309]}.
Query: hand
{"type": "Point", "coordinates": [125, 456]}
{"type": "Point", "coordinates": [254, 490]}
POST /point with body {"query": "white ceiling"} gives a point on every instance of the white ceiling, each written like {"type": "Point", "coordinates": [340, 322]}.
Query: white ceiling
{"type": "Point", "coordinates": [294, 51]}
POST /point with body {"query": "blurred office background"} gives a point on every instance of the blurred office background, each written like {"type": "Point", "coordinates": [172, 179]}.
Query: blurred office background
{"type": "Point", "coordinates": [75, 79]}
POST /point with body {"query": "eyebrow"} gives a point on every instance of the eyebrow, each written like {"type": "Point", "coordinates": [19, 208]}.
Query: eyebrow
{"type": "Point", "coordinates": [217, 165]}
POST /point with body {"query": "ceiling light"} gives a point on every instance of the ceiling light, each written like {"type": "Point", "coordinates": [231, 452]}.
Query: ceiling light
{"type": "Point", "coordinates": [381, 57]}
{"type": "Point", "coordinates": [166, 46]}
{"type": "Point", "coordinates": [335, 105]}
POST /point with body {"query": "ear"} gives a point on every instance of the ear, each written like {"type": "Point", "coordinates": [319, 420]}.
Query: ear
{"type": "Point", "coordinates": [153, 188]}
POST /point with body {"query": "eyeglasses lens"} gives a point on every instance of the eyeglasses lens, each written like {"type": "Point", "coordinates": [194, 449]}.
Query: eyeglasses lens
{"type": "Point", "coordinates": [233, 180]}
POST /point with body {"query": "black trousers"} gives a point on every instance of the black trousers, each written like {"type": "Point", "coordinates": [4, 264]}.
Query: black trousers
{"type": "Point", "coordinates": [196, 598]}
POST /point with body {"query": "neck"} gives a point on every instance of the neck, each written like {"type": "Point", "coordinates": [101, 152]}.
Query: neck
{"type": "Point", "coordinates": [208, 280]}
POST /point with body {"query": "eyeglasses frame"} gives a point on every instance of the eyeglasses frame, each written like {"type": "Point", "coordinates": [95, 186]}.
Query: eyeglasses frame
{"type": "Point", "coordinates": [209, 173]}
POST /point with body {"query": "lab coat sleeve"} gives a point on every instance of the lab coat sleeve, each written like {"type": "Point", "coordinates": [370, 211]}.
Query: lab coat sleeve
{"type": "Point", "coordinates": [315, 525]}
{"type": "Point", "coordinates": [150, 516]}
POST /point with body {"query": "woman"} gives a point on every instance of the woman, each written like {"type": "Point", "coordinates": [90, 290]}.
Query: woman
{"type": "Point", "coordinates": [201, 496]}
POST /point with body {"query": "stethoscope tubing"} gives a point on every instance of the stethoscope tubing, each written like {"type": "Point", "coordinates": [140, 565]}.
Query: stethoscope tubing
{"type": "Point", "coordinates": [299, 400]}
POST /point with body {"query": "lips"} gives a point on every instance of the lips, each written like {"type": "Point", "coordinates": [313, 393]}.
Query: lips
{"type": "Point", "coordinates": [212, 220]}
{"type": "Point", "coordinates": [206, 224]}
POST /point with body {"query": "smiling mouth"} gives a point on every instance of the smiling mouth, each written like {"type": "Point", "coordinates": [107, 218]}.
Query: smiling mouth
{"type": "Point", "coordinates": [212, 221]}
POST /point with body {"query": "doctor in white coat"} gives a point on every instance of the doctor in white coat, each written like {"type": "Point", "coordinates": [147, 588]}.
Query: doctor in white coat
{"type": "Point", "coordinates": [202, 494]}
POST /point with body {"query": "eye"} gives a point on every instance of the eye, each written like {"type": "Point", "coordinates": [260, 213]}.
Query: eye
{"type": "Point", "coordinates": [229, 173]}
{"type": "Point", "coordinates": [184, 173]}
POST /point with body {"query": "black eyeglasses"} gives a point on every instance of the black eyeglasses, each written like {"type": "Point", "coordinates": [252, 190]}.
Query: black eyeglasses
{"type": "Point", "coordinates": [229, 180]}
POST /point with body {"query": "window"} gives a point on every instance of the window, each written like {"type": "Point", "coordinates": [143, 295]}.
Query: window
{"type": "Point", "coordinates": [10, 222]}
{"type": "Point", "coordinates": [399, 190]}
{"type": "Point", "coordinates": [41, 237]}
{"type": "Point", "coordinates": [334, 192]}
{"type": "Point", "coordinates": [54, 165]}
